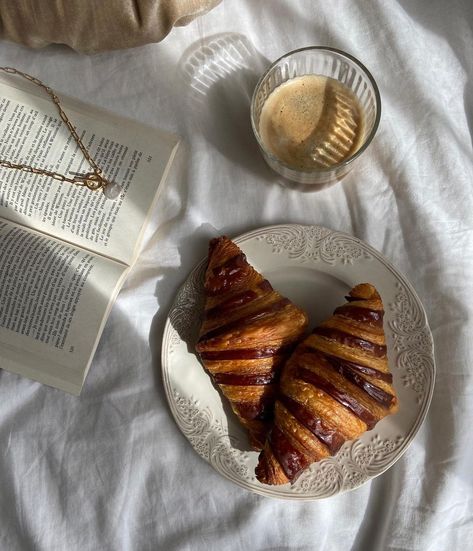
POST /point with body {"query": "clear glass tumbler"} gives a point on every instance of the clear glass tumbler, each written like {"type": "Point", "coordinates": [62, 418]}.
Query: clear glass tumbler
{"type": "Point", "coordinates": [327, 62]}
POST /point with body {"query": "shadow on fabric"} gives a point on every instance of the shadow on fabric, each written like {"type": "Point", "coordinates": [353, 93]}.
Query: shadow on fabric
{"type": "Point", "coordinates": [431, 16]}
{"type": "Point", "coordinates": [221, 73]}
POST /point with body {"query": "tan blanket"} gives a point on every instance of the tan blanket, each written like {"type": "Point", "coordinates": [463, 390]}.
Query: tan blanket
{"type": "Point", "coordinates": [95, 25]}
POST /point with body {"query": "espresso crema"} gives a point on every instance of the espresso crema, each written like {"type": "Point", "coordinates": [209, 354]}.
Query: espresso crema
{"type": "Point", "coordinates": [312, 121]}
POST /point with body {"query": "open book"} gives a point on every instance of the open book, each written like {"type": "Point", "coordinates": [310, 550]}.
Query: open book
{"type": "Point", "coordinates": [65, 250]}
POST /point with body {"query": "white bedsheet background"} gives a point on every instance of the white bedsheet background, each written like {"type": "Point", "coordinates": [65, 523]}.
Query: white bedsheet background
{"type": "Point", "coordinates": [110, 470]}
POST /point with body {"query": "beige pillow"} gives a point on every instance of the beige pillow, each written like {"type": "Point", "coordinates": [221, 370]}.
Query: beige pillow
{"type": "Point", "coordinates": [95, 25]}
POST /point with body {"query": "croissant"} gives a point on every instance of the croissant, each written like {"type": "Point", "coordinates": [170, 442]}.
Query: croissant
{"type": "Point", "coordinates": [335, 386]}
{"type": "Point", "coordinates": [248, 331]}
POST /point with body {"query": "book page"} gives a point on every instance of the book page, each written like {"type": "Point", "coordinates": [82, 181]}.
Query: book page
{"type": "Point", "coordinates": [54, 299]}
{"type": "Point", "coordinates": [131, 154]}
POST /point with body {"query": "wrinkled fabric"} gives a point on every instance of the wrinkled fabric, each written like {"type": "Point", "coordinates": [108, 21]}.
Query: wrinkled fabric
{"type": "Point", "coordinates": [91, 26]}
{"type": "Point", "coordinates": [110, 470]}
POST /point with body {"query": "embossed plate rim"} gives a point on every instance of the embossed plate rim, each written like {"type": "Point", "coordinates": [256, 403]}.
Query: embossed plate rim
{"type": "Point", "coordinates": [213, 443]}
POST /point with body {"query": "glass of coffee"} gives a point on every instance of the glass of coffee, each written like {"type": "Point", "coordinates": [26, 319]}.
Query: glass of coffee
{"type": "Point", "coordinates": [314, 112]}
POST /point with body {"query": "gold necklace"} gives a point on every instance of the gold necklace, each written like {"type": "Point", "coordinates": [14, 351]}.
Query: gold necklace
{"type": "Point", "coordinates": [94, 180]}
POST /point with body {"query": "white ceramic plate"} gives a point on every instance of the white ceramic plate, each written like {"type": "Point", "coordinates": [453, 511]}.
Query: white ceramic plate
{"type": "Point", "coordinates": [315, 267]}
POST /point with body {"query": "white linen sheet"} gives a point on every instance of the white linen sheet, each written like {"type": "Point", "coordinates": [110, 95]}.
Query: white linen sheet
{"type": "Point", "coordinates": [110, 470]}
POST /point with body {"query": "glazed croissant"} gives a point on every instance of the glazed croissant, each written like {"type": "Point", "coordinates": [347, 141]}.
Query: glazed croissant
{"type": "Point", "coordinates": [335, 386]}
{"type": "Point", "coordinates": [248, 331]}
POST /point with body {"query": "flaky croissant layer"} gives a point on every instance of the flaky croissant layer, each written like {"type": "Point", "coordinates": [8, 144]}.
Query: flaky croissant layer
{"type": "Point", "coordinates": [335, 386]}
{"type": "Point", "coordinates": [248, 331]}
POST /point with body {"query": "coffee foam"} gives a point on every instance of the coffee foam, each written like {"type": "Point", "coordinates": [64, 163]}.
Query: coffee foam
{"type": "Point", "coordinates": [311, 121]}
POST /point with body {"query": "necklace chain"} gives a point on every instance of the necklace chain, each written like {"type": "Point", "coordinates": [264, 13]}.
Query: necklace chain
{"type": "Point", "coordinates": [94, 180]}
